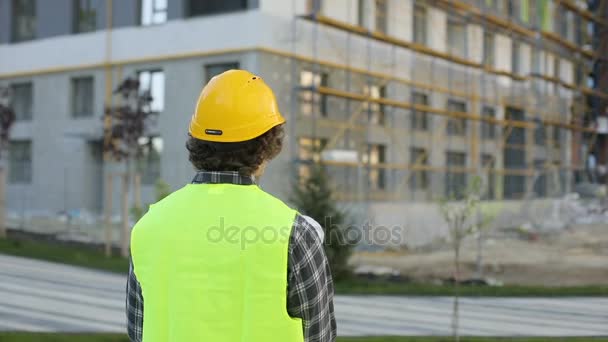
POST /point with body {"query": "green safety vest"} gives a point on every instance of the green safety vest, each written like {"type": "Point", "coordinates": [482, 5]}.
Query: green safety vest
{"type": "Point", "coordinates": [212, 263]}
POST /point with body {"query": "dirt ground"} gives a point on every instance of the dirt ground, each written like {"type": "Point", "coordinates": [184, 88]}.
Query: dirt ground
{"type": "Point", "coordinates": [574, 256]}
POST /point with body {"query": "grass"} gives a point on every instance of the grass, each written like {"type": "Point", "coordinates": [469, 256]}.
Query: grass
{"type": "Point", "coordinates": [419, 289]}
{"type": "Point", "coordinates": [94, 258]}
{"type": "Point", "coordinates": [35, 337]}
{"type": "Point", "coordinates": [63, 253]}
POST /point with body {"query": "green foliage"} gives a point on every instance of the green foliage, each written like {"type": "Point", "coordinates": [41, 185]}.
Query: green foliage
{"type": "Point", "coordinates": [314, 198]}
{"type": "Point", "coordinates": [67, 254]}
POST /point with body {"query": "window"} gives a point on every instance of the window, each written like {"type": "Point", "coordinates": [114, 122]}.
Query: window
{"type": "Point", "coordinates": [153, 12]}
{"type": "Point", "coordinates": [309, 152]}
{"type": "Point", "coordinates": [362, 13]}
{"type": "Point", "coordinates": [515, 55]}
{"type": "Point", "coordinates": [455, 182]}
{"type": "Point", "coordinates": [375, 155]}
{"type": "Point", "coordinates": [420, 119]}
{"type": "Point", "coordinates": [374, 110]}
{"type": "Point", "coordinates": [212, 70]}
{"type": "Point", "coordinates": [556, 136]}
{"type": "Point", "coordinates": [488, 129]}
{"type": "Point", "coordinates": [153, 82]}
{"type": "Point", "coordinates": [310, 99]}
{"type": "Point", "coordinates": [456, 126]}
{"type": "Point", "coordinates": [457, 38]}
{"type": "Point", "coordinates": [539, 135]}
{"type": "Point", "coordinates": [20, 162]}
{"type": "Point", "coordinates": [488, 49]}
{"type": "Point", "coordinates": [197, 7]}
{"type": "Point", "coordinates": [540, 181]}
{"type": "Point", "coordinates": [22, 99]}
{"type": "Point", "coordinates": [514, 156]}
{"type": "Point", "coordinates": [85, 16]}
{"type": "Point", "coordinates": [556, 74]}
{"type": "Point", "coordinates": [149, 161]}
{"type": "Point", "coordinates": [24, 20]}
{"type": "Point", "coordinates": [487, 163]}
{"type": "Point", "coordinates": [381, 16]}
{"type": "Point", "coordinates": [82, 97]}
{"type": "Point", "coordinates": [419, 179]}
{"type": "Point", "coordinates": [536, 59]}
{"type": "Point", "coordinates": [420, 24]}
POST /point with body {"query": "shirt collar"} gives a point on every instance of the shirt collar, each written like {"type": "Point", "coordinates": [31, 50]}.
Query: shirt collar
{"type": "Point", "coordinates": [218, 177]}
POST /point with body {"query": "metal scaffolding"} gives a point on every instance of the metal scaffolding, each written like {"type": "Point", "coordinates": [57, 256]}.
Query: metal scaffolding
{"type": "Point", "coordinates": [464, 117]}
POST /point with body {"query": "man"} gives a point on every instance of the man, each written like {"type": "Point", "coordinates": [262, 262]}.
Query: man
{"type": "Point", "coordinates": [220, 259]}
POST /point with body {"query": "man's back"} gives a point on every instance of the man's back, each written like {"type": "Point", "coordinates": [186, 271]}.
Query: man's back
{"type": "Point", "coordinates": [226, 274]}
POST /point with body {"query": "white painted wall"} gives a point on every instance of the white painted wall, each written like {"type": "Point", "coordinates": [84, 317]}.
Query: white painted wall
{"type": "Point", "coordinates": [502, 52]}
{"type": "Point", "coordinates": [400, 19]}
{"type": "Point", "coordinates": [343, 10]}
{"type": "Point", "coordinates": [475, 43]}
{"type": "Point", "coordinates": [437, 26]}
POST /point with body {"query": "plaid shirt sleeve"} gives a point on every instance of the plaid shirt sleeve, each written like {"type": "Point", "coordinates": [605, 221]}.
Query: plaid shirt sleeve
{"type": "Point", "coordinates": [310, 288]}
{"type": "Point", "coordinates": [135, 307]}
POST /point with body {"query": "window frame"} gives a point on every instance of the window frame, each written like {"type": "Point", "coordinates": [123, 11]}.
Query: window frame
{"type": "Point", "coordinates": [30, 113]}
{"type": "Point", "coordinates": [14, 36]}
{"type": "Point", "coordinates": [153, 71]}
{"type": "Point", "coordinates": [76, 112]}
{"type": "Point", "coordinates": [24, 163]}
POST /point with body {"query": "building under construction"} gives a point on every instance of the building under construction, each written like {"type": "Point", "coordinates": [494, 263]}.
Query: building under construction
{"type": "Point", "coordinates": [404, 101]}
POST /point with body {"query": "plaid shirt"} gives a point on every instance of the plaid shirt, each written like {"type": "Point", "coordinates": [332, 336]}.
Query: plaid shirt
{"type": "Point", "coordinates": [310, 288]}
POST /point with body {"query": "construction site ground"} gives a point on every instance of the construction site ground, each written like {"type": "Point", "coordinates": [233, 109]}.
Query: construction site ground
{"type": "Point", "coordinates": [577, 255]}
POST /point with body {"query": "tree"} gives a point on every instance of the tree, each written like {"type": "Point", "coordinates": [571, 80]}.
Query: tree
{"type": "Point", "coordinates": [127, 124]}
{"type": "Point", "coordinates": [7, 118]}
{"type": "Point", "coordinates": [458, 216]}
{"type": "Point", "coordinates": [313, 197]}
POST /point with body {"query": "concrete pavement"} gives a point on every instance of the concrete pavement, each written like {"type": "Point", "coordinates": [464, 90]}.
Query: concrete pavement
{"type": "Point", "coordinates": [42, 296]}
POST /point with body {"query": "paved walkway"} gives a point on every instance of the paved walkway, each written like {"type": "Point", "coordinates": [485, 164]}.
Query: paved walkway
{"type": "Point", "coordinates": [43, 296]}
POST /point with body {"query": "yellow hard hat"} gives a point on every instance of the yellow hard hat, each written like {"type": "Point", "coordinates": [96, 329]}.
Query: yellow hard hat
{"type": "Point", "coordinates": [234, 106]}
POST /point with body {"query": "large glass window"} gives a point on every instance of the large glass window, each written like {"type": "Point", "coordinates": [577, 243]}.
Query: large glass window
{"type": "Point", "coordinates": [488, 49]}
{"type": "Point", "coordinates": [419, 179]}
{"type": "Point", "coordinates": [515, 58]}
{"type": "Point", "coordinates": [82, 97]}
{"type": "Point", "coordinates": [456, 177]}
{"type": "Point", "coordinates": [212, 70]}
{"type": "Point", "coordinates": [420, 19]}
{"type": "Point", "coordinates": [374, 110]}
{"type": "Point", "coordinates": [381, 16]}
{"type": "Point", "coordinates": [488, 165]}
{"type": "Point", "coordinates": [153, 83]}
{"type": "Point", "coordinates": [457, 38]}
{"type": "Point", "coordinates": [85, 16]}
{"type": "Point", "coordinates": [21, 101]}
{"type": "Point", "coordinates": [153, 12]}
{"type": "Point", "coordinates": [311, 101]}
{"type": "Point", "coordinates": [24, 20]}
{"type": "Point", "coordinates": [207, 7]}
{"type": "Point", "coordinates": [456, 126]}
{"type": "Point", "coordinates": [420, 118]}
{"type": "Point", "coordinates": [149, 161]}
{"type": "Point", "coordinates": [376, 154]}
{"type": "Point", "coordinates": [20, 162]}
{"type": "Point", "coordinates": [309, 152]}
{"type": "Point", "coordinates": [488, 129]}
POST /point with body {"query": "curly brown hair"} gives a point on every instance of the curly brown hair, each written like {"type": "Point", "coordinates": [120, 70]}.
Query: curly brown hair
{"type": "Point", "coordinates": [244, 157]}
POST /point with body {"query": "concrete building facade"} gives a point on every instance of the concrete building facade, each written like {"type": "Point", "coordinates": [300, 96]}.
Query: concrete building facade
{"type": "Point", "coordinates": [403, 100]}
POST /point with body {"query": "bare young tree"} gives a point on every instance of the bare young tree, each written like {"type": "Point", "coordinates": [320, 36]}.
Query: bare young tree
{"type": "Point", "coordinates": [458, 214]}
{"type": "Point", "coordinates": [127, 125]}
{"type": "Point", "coordinates": [7, 118]}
